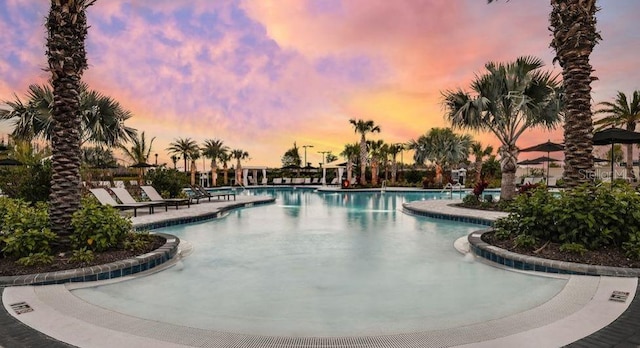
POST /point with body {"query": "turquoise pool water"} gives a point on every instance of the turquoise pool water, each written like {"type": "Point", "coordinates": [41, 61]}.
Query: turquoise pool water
{"type": "Point", "coordinates": [325, 264]}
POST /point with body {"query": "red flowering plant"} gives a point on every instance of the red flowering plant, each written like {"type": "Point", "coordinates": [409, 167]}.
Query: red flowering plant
{"type": "Point", "coordinates": [479, 188]}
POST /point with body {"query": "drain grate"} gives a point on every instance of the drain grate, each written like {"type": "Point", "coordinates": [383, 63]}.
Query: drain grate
{"type": "Point", "coordinates": [619, 296]}
{"type": "Point", "coordinates": [21, 307]}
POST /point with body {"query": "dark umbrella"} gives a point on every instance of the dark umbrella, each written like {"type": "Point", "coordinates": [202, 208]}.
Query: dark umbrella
{"type": "Point", "coordinates": [547, 147]}
{"type": "Point", "coordinates": [615, 136]}
{"type": "Point", "coordinates": [10, 162]}
{"type": "Point", "coordinates": [528, 163]}
{"type": "Point", "coordinates": [141, 165]}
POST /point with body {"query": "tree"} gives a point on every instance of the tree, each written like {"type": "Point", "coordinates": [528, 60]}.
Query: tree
{"type": "Point", "coordinates": [394, 150]}
{"type": "Point", "coordinates": [291, 157]}
{"type": "Point", "coordinates": [573, 24]}
{"type": "Point", "coordinates": [213, 149]}
{"type": "Point", "coordinates": [98, 157]}
{"type": "Point", "coordinates": [377, 150]}
{"type": "Point", "coordinates": [67, 30]}
{"type": "Point", "coordinates": [442, 147]}
{"type": "Point", "coordinates": [238, 155]}
{"type": "Point", "coordinates": [102, 118]}
{"type": "Point", "coordinates": [350, 153]}
{"type": "Point", "coordinates": [509, 99]}
{"type": "Point", "coordinates": [183, 147]}
{"type": "Point", "coordinates": [329, 157]}
{"type": "Point", "coordinates": [140, 151]}
{"type": "Point", "coordinates": [621, 112]}
{"type": "Point", "coordinates": [363, 127]}
{"type": "Point", "coordinates": [479, 153]}
{"type": "Point", "coordinates": [193, 156]}
{"type": "Point", "coordinates": [225, 157]}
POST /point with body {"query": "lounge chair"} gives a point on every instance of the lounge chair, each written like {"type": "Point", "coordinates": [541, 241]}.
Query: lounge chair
{"type": "Point", "coordinates": [125, 197]}
{"type": "Point", "coordinates": [154, 196]}
{"type": "Point", "coordinates": [314, 181]}
{"type": "Point", "coordinates": [218, 195]}
{"type": "Point", "coordinates": [307, 181]}
{"type": "Point", "coordinates": [277, 181]}
{"type": "Point", "coordinates": [105, 198]}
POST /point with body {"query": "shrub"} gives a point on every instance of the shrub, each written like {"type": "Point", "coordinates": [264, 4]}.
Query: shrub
{"type": "Point", "coordinates": [573, 248]}
{"type": "Point", "coordinates": [631, 248]}
{"type": "Point", "coordinates": [137, 241]}
{"type": "Point", "coordinates": [471, 200]}
{"type": "Point", "coordinates": [30, 183]}
{"type": "Point", "coordinates": [168, 181]}
{"type": "Point", "coordinates": [98, 227]}
{"type": "Point", "coordinates": [35, 259]}
{"type": "Point", "coordinates": [82, 255]}
{"type": "Point", "coordinates": [479, 188]}
{"type": "Point", "coordinates": [25, 228]}
{"type": "Point", "coordinates": [524, 241]}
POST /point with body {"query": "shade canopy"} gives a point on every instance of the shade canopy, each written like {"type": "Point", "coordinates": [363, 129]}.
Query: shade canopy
{"type": "Point", "coordinates": [544, 159]}
{"type": "Point", "coordinates": [615, 136]}
{"type": "Point", "coordinates": [528, 162]}
{"type": "Point", "coordinates": [291, 167]}
{"type": "Point", "coordinates": [141, 165]}
{"type": "Point", "coordinates": [545, 147]}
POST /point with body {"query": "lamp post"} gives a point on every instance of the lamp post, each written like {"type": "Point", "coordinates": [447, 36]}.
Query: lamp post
{"type": "Point", "coordinates": [323, 154]}
{"type": "Point", "coordinates": [305, 153]}
{"type": "Point", "coordinates": [156, 159]}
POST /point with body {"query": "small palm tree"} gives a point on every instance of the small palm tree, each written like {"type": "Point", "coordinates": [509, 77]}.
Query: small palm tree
{"type": "Point", "coordinates": [239, 155]}
{"type": "Point", "coordinates": [225, 157]}
{"type": "Point", "coordinates": [363, 127]}
{"type": "Point", "coordinates": [139, 152]}
{"type": "Point", "coordinates": [442, 147]}
{"type": "Point", "coordinates": [183, 147]}
{"type": "Point", "coordinates": [480, 152]}
{"type": "Point", "coordinates": [350, 153]}
{"type": "Point", "coordinates": [376, 148]}
{"type": "Point", "coordinates": [509, 99]}
{"type": "Point", "coordinates": [394, 150]}
{"type": "Point", "coordinates": [213, 149]}
{"type": "Point", "coordinates": [193, 156]}
{"type": "Point", "coordinates": [621, 112]}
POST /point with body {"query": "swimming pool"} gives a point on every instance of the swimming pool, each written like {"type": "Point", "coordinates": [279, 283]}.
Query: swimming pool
{"type": "Point", "coordinates": [325, 264]}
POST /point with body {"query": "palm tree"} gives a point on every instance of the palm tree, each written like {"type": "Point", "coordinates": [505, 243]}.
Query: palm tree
{"type": "Point", "coordinates": [573, 23]}
{"type": "Point", "coordinates": [442, 147]}
{"type": "Point", "coordinates": [193, 156]}
{"type": "Point", "coordinates": [508, 100]}
{"type": "Point", "coordinates": [239, 155]}
{"type": "Point", "coordinates": [350, 153]}
{"type": "Point", "coordinates": [364, 127]}
{"type": "Point", "coordinates": [376, 148]}
{"type": "Point", "coordinates": [394, 150]}
{"type": "Point", "coordinates": [67, 30]}
{"type": "Point", "coordinates": [225, 157]}
{"type": "Point", "coordinates": [102, 118]}
{"type": "Point", "coordinates": [622, 113]}
{"type": "Point", "coordinates": [139, 152]}
{"type": "Point", "coordinates": [480, 152]}
{"type": "Point", "coordinates": [183, 147]}
{"type": "Point", "coordinates": [213, 149]}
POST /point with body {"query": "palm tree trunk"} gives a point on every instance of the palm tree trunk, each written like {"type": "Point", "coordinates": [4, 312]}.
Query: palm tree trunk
{"type": "Point", "coordinates": [214, 174]}
{"type": "Point", "coordinates": [394, 170]}
{"type": "Point", "coordinates": [67, 30]}
{"type": "Point", "coordinates": [508, 164]}
{"type": "Point", "coordinates": [573, 24]}
{"type": "Point", "coordinates": [193, 172]}
{"type": "Point", "coordinates": [630, 174]}
{"type": "Point", "coordinates": [478, 169]}
{"type": "Point", "coordinates": [349, 170]}
{"type": "Point", "coordinates": [238, 173]}
{"type": "Point", "coordinates": [374, 172]}
{"type": "Point", "coordinates": [363, 161]}
{"type": "Point", "coordinates": [225, 173]}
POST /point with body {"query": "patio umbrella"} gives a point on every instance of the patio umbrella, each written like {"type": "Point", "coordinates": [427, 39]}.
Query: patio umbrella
{"type": "Point", "coordinates": [611, 136]}
{"type": "Point", "coordinates": [8, 162]}
{"type": "Point", "coordinates": [547, 147]}
{"type": "Point", "coordinates": [544, 159]}
{"type": "Point", "coordinates": [528, 163]}
{"type": "Point", "coordinates": [142, 166]}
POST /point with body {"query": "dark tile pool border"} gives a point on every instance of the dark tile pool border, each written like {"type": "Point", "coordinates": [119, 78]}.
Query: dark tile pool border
{"type": "Point", "coordinates": [101, 272]}
{"type": "Point", "coordinates": [519, 261]}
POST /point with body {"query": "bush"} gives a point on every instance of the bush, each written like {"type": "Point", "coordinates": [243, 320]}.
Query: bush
{"type": "Point", "coordinates": [471, 200]}
{"type": "Point", "coordinates": [82, 255]}
{"type": "Point", "coordinates": [25, 228]}
{"type": "Point", "coordinates": [30, 183]}
{"type": "Point", "coordinates": [168, 181]}
{"type": "Point", "coordinates": [137, 241]}
{"type": "Point", "coordinates": [524, 241]}
{"type": "Point", "coordinates": [98, 227]}
{"type": "Point", "coordinates": [591, 216]}
{"type": "Point", "coordinates": [573, 248]}
{"type": "Point", "coordinates": [35, 259]}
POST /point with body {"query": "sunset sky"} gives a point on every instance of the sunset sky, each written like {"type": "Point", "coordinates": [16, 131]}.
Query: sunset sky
{"type": "Point", "coordinates": [263, 74]}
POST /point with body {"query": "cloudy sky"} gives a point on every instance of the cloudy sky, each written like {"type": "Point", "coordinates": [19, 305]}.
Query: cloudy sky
{"type": "Point", "coordinates": [263, 74]}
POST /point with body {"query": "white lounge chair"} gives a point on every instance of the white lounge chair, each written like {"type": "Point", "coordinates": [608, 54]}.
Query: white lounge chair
{"type": "Point", "coordinates": [105, 198]}
{"type": "Point", "coordinates": [154, 196]}
{"type": "Point", "coordinates": [125, 197]}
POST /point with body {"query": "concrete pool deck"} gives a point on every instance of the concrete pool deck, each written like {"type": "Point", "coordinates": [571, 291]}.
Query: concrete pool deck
{"type": "Point", "coordinates": [582, 308]}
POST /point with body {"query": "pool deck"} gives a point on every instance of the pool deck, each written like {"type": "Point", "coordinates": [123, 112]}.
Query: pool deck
{"type": "Point", "coordinates": [581, 315]}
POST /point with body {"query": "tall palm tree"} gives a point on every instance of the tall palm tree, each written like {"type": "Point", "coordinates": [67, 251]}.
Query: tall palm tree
{"type": "Point", "coordinates": [363, 127]}
{"type": "Point", "coordinates": [573, 24]}
{"type": "Point", "coordinates": [193, 156]}
{"type": "Point", "coordinates": [238, 155]}
{"type": "Point", "coordinates": [102, 118]}
{"type": "Point", "coordinates": [350, 153]}
{"type": "Point", "coordinates": [67, 59]}
{"type": "Point", "coordinates": [183, 146]}
{"type": "Point", "coordinates": [509, 99]}
{"type": "Point", "coordinates": [621, 112]}
{"type": "Point", "coordinates": [376, 148]}
{"type": "Point", "coordinates": [479, 153]}
{"type": "Point", "coordinates": [213, 149]}
{"type": "Point", "coordinates": [442, 147]}
{"type": "Point", "coordinates": [225, 157]}
{"type": "Point", "coordinates": [394, 150]}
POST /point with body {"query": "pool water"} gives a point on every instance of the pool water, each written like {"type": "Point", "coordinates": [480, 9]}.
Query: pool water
{"type": "Point", "coordinates": [325, 264]}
